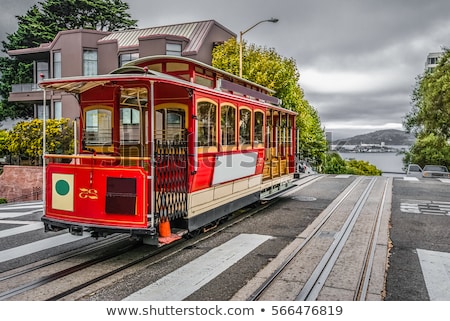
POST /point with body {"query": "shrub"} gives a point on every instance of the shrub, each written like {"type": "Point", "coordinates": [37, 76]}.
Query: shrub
{"type": "Point", "coordinates": [25, 139]}
{"type": "Point", "coordinates": [336, 165]}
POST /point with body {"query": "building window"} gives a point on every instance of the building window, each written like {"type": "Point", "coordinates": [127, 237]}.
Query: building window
{"type": "Point", "coordinates": [127, 57]}
{"type": "Point", "coordinates": [57, 105]}
{"type": "Point", "coordinates": [90, 62]}
{"type": "Point", "coordinates": [42, 69]}
{"type": "Point", "coordinates": [433, 60]}
{"type": "Point", "coordinates": [57, 65]}
{"type": "Point", "coordinates": [40, 111]}
{"type": "Point", "coordinates": [173, 49]}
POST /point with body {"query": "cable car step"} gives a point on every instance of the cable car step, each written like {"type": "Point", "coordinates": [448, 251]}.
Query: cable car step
{"type": "Point", "coordinates": [276, 194]}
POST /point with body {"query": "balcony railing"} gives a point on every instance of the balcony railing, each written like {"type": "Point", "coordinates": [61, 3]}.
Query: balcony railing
{"type": "Point", "coordinates": [21, 88]}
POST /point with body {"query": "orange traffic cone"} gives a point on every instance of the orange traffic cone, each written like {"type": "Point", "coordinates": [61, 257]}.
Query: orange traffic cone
{"type": "Point", "coordinates": [164, 228]}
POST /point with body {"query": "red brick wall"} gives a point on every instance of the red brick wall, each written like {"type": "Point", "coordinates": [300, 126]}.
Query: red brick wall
{"type": "Point", "coordinates": [20, 182]}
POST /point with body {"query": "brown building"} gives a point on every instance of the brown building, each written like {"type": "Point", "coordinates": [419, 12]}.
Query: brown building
{"type": "Point", "coordinates": [84, 52]}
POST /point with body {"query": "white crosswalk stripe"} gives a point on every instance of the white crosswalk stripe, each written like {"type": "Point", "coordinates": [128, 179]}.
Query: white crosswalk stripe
{"type": "Point", "coordinates": [436, 272]}
{"type": "Point", "coordinates": [181, 283]}
{"type": "Point", "coordinates": [17, 210]}
{"type": "Point", "coordinates": [28, 227]}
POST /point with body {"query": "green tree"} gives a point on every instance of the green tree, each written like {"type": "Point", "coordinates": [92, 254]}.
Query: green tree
{"type": "Point", "coordinates": [4, 142]}
{"type": "Point", "coordinates": [429, 118]}
{"type": "Point", "coordinates": [26, 139]}
{"type": "Point", "coordinates": [14, 72]}
{"type": "Point", "coordinates": [360, 167]}
{"type": "Point", "coordinates": [43, 21]}
{"type": "Point", "coordinates": [40, 24]}
{"type": "Point", "coordinates": [334, 164]}
{"type": "Point", "coordinates": [429, 148]}
{"type": "Point", "coordinates": [266, 67]}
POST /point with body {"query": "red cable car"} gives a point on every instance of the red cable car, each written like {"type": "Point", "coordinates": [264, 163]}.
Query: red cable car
{"type": "Point", "coordinates": [166, 142]}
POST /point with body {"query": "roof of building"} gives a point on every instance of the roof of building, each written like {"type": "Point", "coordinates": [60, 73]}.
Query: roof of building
{"type": "Point", "coordinates": [194, 32]}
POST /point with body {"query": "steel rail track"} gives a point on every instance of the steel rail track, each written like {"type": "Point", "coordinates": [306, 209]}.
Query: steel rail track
{"type": "Point", "coordinates": [314, 284]}
{"type": "Point", "coordinates": [91, 248]}
{"type": "Point", "coordinates": [54, 276]}
{"type": "Point", "coordinates": [364, 279]}
{"type": "Point", "coordinates": [266, 284]}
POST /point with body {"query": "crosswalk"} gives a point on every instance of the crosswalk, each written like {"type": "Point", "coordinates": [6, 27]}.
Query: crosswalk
{"type": "Point", "coordinates": [425, 207]}
{"type": "Point", "coordinates": [193, 276]}
{"type": "Point", "coordinates": [19, 209]}
{"type": "Point", "coordinates": [28, 227]}
{"type": "Point", "coordinates": [416, 179]}
{"type": "Point", "coordinates": [34, 247]}
{"type": "Point", "coordinates": [9, 216]}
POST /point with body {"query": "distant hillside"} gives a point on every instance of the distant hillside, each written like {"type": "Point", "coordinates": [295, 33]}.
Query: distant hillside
{"type": "Point", "coordinates": [388, 136]}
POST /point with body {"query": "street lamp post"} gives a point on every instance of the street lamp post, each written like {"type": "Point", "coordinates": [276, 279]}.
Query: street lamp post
{"type": "Point", "coordinates": [273, 20]}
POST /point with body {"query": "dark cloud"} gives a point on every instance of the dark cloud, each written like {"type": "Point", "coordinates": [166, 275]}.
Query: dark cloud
{"type": "Point", "coordinates": [9, 10]}
{"type": "Point", "coordinates": [358, 59]}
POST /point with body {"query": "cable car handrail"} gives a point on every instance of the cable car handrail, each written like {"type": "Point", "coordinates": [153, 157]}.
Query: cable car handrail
{"type": "Point", "coordinates": [99, 157]}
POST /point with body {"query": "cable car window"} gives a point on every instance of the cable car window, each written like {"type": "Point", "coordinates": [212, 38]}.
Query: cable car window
{"type": "Point", "coordinates": [204, 81]}
{"type": "Point", "coordinates": [98, 129]}
{"type": "Point", "coordinates": [170, 123]}
{"type": "Point", "coordinates": [228, 125]}
{"type": "Point", "coordinates": [173, 119]}
{"type": "Point", "coordinates": [259, 127]}
{"type": "Point", "coordinates": [155, 67]}
{"type": "Point", "coordinates": [176, 66]}
{"type": "Point", "coordinates": [175, 124]}
{"type": "Point", "coordinates": [206, 116]}
{"type": "Point", "coordinates": [129, 126]}
{"type": "Point", "coordinates": [245, 124]}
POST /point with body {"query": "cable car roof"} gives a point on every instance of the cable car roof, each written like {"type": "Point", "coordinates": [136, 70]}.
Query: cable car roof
{"type": "Point", "coordinates": [149, 59]}
{"type": "Point", "coordinates": [81, 84]}
{"type": "Point", "coordinates": [137, 71]}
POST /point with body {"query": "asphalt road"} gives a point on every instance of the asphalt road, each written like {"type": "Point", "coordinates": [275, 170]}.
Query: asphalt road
{"type": "Point", "coordinates": [420, 220]}
{"type": "Point", "coordinates": [419, 262]}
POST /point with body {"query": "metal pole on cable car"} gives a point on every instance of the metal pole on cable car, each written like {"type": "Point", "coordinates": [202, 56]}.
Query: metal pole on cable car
{"type": "Point", "coordinates": [152, 154]}
{"type": "Point", "coordinates": [75, 136]}
{"type": "Point", "coordinates": [44, 129]}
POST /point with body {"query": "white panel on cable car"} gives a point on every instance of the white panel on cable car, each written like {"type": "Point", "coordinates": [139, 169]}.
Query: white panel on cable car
{"type": "Point", "coordinates": [233, 166]}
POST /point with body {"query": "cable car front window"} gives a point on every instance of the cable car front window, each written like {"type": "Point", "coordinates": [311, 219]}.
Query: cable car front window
{"type": "Point", "coordinates": [133, 103]}
{"type": "Point", "coordinates": [98, 129]}
{"type": "Point", "coordinates": [129, 126]}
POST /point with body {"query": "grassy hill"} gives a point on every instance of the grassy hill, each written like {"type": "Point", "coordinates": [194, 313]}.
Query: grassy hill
{"type": "Point", "coordinates": [388, 137]}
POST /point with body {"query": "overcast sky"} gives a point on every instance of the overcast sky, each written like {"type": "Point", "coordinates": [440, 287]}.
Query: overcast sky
{"type": "Point", "coordinates": [358, 59]}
